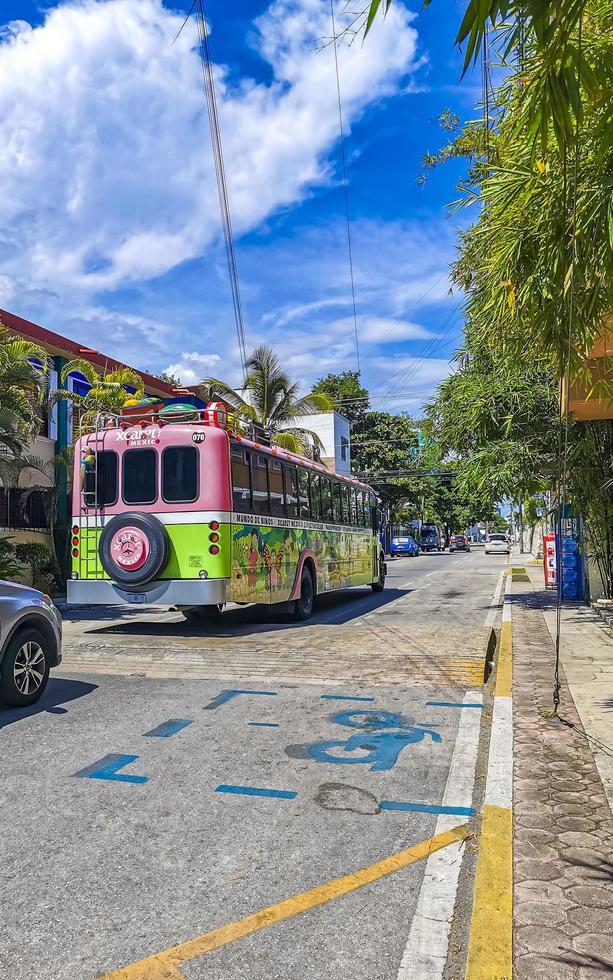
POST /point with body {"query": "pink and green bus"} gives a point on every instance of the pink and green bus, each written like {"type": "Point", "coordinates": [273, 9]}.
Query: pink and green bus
{"type": "Point", "coordinates": [192, 514]}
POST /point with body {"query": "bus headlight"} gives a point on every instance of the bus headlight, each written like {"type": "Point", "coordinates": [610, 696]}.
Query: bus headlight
{"type": "Point", "coordinates": [203, 573]}
{"type": "Point", "coordinates": [74, 575]}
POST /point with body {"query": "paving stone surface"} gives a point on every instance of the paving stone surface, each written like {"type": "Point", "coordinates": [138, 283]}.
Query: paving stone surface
{"type": "Point", "coordinates": [563, 836]}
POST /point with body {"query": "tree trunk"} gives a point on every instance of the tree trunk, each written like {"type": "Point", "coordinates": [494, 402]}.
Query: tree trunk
{"type": "Point", "coordinates": [520, 522]}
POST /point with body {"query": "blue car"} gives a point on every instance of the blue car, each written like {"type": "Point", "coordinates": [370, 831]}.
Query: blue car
{"type": "Point", "coordinates": [404, 544]}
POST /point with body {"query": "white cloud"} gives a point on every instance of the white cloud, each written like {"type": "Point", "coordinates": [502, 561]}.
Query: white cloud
{"type": "Point", "coordinates": [379, 329]}
{"type": "Point", "coordinates": [8, 290]}
{"type": "Point", "coordinates": [402, 376]}
{"type": "Point", "coordinates": [193, 367]}
{"type": "Point", "coordinates": [108, 183]}
{"type": "Point", "coordinates": [106, 170]}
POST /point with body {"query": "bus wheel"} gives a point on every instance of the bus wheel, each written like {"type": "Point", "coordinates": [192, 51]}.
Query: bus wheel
{"type": "Point", "coordinates": [203, 614]}
{"type": "Point", "coordinates": [303, 607]}
{"type": "Point", "coordinates": [379, 585]}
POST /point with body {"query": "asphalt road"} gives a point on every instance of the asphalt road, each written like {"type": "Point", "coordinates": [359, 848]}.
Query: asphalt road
{"type": "Point", "coordinates": [146, 802]}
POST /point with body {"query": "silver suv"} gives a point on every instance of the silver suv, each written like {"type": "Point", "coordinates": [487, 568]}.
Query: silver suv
{"type": "Point", "coordinates": [30, 643]}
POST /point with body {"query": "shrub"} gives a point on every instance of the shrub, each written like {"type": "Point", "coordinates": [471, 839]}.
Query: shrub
{"type": "Point", "coordinates": [9, 568]}
{"type": "Point", "coordinates": [37, 556]}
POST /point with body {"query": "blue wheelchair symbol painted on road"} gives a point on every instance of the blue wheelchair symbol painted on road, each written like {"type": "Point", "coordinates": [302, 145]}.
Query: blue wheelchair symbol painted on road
{"type": "Point", "coordinates": [382, 747]}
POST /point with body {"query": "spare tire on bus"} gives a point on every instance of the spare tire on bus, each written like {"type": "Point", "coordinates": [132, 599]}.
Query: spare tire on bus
{"type": "Point", "coordinates": [133, 548]}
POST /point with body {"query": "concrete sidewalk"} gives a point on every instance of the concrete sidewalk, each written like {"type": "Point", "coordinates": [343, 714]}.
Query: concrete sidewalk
{"type": "Point", "coordinates": [563, 825]}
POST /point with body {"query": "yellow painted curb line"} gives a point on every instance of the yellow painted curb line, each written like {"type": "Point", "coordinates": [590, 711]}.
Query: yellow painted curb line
{"type": "Point", "coordinates": [504, 676]}
{"type": "Point", "coordinates": [490, 946]}
{"type": "Point", "coordinates": [490, 942]}
{"type": "Point", "coordinates": [164, 965]}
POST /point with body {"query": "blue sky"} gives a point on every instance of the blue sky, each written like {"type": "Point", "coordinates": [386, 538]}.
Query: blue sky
{"type": "Point", "coordinates": [109, 226]}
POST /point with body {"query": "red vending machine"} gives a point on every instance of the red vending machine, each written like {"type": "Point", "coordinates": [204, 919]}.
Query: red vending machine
{"type": "Point", "coordinates": [549, 560]}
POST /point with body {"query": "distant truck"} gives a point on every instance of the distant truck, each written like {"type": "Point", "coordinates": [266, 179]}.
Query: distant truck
{"type": "Point", "coordinates": [432, 537]}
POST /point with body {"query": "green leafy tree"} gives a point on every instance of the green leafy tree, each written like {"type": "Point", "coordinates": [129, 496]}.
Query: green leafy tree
{"type": "Point", "coordinates": [348, 395]}
{"type": "Point", "coordinates": [381, 445]}
{"type": "Point", "coordinates": [170, 379]}
{"type": "Point", "coordinates": [590, 475]}
{"type": "Point", "coordinates": [271, 399]}
{"type": "Point", "coordinates": [23, 387]}
{"type": "Point", "coordinates": [109, 391]}
{"type": "Point", "coordinates": [9, 566]}
{"type": "Point", "coordinates": [500, 425]}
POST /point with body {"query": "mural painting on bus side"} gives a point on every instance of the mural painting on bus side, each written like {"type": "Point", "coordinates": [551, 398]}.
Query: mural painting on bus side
{"type": "Point", "coordinates": [265, 560]}
{"type": "Point", "coordinates": [376, 738]}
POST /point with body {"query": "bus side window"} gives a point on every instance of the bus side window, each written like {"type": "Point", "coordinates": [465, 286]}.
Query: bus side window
{"type": "Point", "coordinates": [360, 500]}
{"type": "Point", "coordinates": [140, 476]}
{"type": "Point", "coordinates": [303, 489]}
{"type": "Point", "coordinates": [180, 474]}
{"type": "Point", "coordinates": [275, 472]}
{"type": "Point", "coordinates": [337, 507]}
{"type": "Point", "coordinates": [241, 481]}
{"type": "Point", "coordinates": [315, 495]}
{"type": "Point", "coordinates": [291, 490]}
{"type": "Point", "coordinates": [353, 510]}
{"type": "Point", "coordinates": [367, 510]}
{"type": "Point", "coordinates": [99, 482]}
{"type": "Point", "coordinates": [259, 483]}
{"type": "Point", "coordinates": [346, 504]}
{"type": "Point", "coordinates": [326, 499]}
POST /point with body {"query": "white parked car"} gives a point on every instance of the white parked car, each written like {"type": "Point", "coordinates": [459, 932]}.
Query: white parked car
{"type": "Point", "coordinates": [497, 544]}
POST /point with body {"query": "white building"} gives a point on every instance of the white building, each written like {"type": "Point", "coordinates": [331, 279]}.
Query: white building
{"type": "Point", "coordinates": [333, 430]}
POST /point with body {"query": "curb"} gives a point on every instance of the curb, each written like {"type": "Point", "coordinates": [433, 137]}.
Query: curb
{"type": "Point", "coordinates": [605, 613]}
{"type": "Point", "coordinates": [490, 941]}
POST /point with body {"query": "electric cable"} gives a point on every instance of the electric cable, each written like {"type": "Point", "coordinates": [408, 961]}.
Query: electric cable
{"type": "Point", "coordinates": [345, 185]}
{"type": "Point", "coordinates": [433, 344]}
{"type": "Point", "coordinates": [220, 175]}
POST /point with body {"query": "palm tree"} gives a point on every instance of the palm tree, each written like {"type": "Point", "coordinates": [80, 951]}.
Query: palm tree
{"type": "Point", "coordinates": [107, 394]}
{"type": "Point", "coordinates": [270, 399]}
{"type": "Point", "coordinates": [23, 386]}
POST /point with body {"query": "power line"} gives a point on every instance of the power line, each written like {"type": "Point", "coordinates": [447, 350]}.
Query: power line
{"type": "Point", "coordinates": [385, 475]}
{"type": "Point", "coordinates": [220, 175]}
{"type": "Point", "coordinates": [411, 309]}
{"type": "Point", "coordinates": [409, 371]}
{"type": "Point", "coordinates": [345, 184]}
{"type": "Point", "coordinates": [413, 393]}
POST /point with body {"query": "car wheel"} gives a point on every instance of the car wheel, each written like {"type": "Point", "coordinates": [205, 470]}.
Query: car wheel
{"type": "Point", "coordinates": [303, 606]}
{"type": "Point", "coordinates": [25, 668]}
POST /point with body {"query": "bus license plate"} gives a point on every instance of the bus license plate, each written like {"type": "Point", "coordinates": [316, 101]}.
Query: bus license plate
{"type": "Point", "coordinates": [137, 597]}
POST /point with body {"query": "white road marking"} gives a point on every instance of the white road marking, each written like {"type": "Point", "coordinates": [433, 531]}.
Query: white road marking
{"type": "Point", "coordinates": [425, 953]}
{"type": "Point", "coordinates": [499, 786]}
{"type": "Point", "coordinates": [394, 602]}
{"type": "Point", "coordinates": [490, 619]}
{"type": "Point", "coordinates": [507, 615]}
